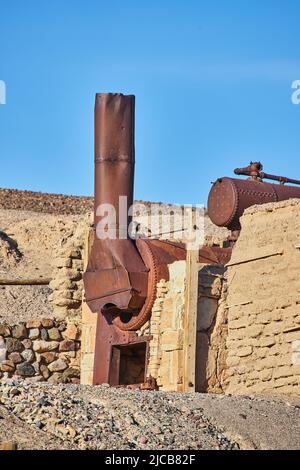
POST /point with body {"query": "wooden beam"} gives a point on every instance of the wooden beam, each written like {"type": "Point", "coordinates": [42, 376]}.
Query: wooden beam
{"type": "Point", "coordinates": [190, 322]}
{"type": "Point", "coordinates": [25, 282]}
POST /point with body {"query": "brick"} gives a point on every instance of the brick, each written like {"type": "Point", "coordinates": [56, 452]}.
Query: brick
{"type": "Point", "coordinates": [47, 323]}
{"type": "Point", "coordinates": [284, 371]}
{"type": "Point", "coordinates": [71, 332]}
{"type": "Point", "coordinates": [267, 341]}
{"type": "Point", "coordinates": [33, 324]}
{"type": "Point", "coordinates": [171, 340]}
{"type": "Point", "coordinates": [246, 351]}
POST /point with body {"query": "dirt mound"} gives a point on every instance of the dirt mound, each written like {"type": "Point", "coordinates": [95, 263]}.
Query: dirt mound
{"type": "Point", "coordinates": [28, 246]}
{"type": "Point", "coordinates": [100, 417]}
{"type": "Point", "coordinates": [44, 202]}
{"type": "Point", "coordinates": [9, 252]}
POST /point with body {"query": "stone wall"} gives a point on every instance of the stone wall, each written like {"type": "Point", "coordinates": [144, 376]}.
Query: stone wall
{"type": "Point", "coordinates": [68, 266]}
{"type": "Point", "coordinates": [43, 350]}
{"type": "Point", "coordinates": [211, 329]}
{"type": "Point", "coordinates": [263, 303]}
{"type": "Point", "coordinates": [167, 329]}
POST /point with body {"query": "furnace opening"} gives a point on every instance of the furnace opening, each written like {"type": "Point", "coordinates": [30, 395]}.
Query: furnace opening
{"type": "Point", "coordinates": [128, 364]}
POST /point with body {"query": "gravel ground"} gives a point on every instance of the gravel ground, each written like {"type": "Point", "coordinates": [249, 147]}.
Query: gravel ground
{"type": "Point", "coordinates": [100, 417]}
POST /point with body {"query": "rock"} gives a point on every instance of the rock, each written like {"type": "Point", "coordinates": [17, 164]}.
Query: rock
{"type": "Point", "coordinates": [36, 367]}
{"type": "Point", "coordinates": [68, 354]}
{"type": "Point", "coordinates": [34, 333]}
{"type": "Point", "coordinates": [58, 284]}
{"type": "Point", "coordinates": [77, 264]}
{"type": "Point", "coordinates": [66, 431]}
{"type": "Point", "coordinates": [75, 381]}
{"type": "Point", "coordinates": [27, 343]}
{"type": "Point", "coordinates": [7, 366]}
{"type": "Point", "coordinates": [62, 263]}
{"type": "Point", "coordinates": [48, 357]}
{"type": "Point", "coordinates": [4, 330]}
{"type": "Point", "coordinates": [143, 440]}
{"type": "Point", "coordinates": [44, 334]}
{"type": "Point", "coordinates": [54, 334]}
{"type": "Point", "coordinates": [45, 346]}
{"type": "Point", "coordinates": [61, 326]}
{"type": "Point", "coordinates": [71, 274]}
{"type": "Point", "coordinates": [33, 324]}
{"type": "Point", "coordinates": [35, 379]}
{"type": "Point", "coordinates": [28, 355]}
{"type": "Point", "coordinates": [71, 373]}
{"type": "Point", "coordinates": [45, 371]}
{"type": "Point", "coordinates": [2, 349]}
{"type": "Point", "coordinates": [77, 295]}
{"type": "Point", "coordinates": [14, 345]}
{"type": "Point", "coordinates": [67, 345]}
{"type": "Point", "coordinates": [40, 424]}
{"type": "Point", "coordinates": [19, 331]}
{"type": "Point", "coordinates": [56, 378]}
{"type": "Point", "coordinates": [25, 370]}
{"type": "Point", "coordinates": [15, 357]}
{"type": "Point", "coordinates": [71, 331]}
{"type": "Point", "coordinates": [2, 354]}
{"type": "Point", "coordinates": [58, 365]}
{"type": "Point", "coordinates": [47, 323]}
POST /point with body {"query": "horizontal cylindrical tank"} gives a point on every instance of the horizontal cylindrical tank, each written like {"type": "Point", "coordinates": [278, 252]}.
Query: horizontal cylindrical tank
{"type": "Point", "coordinates": [229, 197]}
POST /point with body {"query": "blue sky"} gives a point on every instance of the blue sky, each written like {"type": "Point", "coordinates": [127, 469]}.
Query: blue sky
{"type": "Point", "coordinates": [212, 82]}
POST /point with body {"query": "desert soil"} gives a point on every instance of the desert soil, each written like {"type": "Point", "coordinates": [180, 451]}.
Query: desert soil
{"type": "Point", "coordinates": [39, 416]}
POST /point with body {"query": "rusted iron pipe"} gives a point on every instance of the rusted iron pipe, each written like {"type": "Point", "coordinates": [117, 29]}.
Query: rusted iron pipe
{"type": "Point", "coordinates": [254, 170]}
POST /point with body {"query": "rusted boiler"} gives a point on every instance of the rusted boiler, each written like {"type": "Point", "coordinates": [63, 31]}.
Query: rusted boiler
{"type": "Point", "coordinates": [229, 197]}
{"type": "Point", "coordinates": [122, 273]}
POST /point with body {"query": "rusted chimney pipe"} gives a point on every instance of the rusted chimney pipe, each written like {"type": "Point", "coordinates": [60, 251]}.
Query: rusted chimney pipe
{"type": "Point", "coordinates": [114, 155]}
{"type": "Point", "coordinates": [116, 277]}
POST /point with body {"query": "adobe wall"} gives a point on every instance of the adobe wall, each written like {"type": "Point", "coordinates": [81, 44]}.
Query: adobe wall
{"type": "Point", "coordinates": [263, 303]}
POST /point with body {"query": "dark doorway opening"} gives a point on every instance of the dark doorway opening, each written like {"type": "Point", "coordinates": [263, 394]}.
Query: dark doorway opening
{"type": "Point", "coordinates": [128, 364]}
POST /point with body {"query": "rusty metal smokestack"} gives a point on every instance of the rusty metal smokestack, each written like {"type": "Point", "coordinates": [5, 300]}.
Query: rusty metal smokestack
{"type": "Point", "coordinates": [116, 278]}
{"type": "Point", "coordinates": [114, 155]}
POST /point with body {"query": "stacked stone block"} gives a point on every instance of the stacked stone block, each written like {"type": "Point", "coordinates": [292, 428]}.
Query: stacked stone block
{"type": "Point", "coordinates": [166, 327]}
{"type": "Point", "coordinates": [43, 350]}
{"type": "Point", "coordinates": [67, 283]}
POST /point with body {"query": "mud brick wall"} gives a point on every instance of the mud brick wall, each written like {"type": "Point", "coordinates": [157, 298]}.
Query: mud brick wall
{"type": "Point", "coordinates": [42, 350]}
{"type": "Point", "coordinates": [263, 303]}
